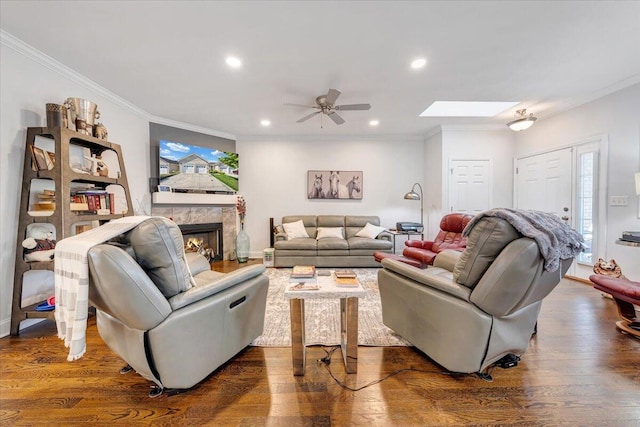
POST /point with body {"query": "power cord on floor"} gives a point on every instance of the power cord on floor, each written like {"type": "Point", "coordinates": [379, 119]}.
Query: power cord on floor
{"type": "Point", "coordinates": [326, 361]}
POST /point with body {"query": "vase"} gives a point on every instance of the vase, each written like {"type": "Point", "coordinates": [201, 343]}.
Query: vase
{"type": "Point", "coordinates": [242, 245]}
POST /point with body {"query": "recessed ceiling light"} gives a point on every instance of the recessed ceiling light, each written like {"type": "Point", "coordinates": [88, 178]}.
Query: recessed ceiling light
{"type": "Point", "coordinates": [466, 109]}
{"type": "Point", "coordinates": [418, 63]}
{"type": "Point", "coordinates": [265, 122]}
{"type": "Point", "coordinates": [233, 62]}
{"type": "Point", "coordinates": [374, 123]}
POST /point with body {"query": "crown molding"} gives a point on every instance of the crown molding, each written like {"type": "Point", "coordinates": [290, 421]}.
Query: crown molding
{"type": "Point", "coordinates": [14, 43]}
{"type": "Point", "coordinates": [34, 54]}
{"type": "Point", "coordinates": [332, 138]}
{"type": "Point", "coordinates": [187, 126]}
{"type": "Point", "coordinates": [597, 94]}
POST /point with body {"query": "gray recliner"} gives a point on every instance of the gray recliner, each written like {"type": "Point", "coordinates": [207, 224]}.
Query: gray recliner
{"type": "Point", "coordinates": [470, 309]}
{"type": "Point", "coordinates": [172, 329]}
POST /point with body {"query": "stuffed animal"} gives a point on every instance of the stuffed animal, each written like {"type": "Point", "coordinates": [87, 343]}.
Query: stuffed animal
{"type": "Point", "coordinates": [39, 244]}
{"type": "Point", "coordinates": [608, 268]}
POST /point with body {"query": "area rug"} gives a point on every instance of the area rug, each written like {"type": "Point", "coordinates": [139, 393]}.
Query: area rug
{"type": "Point", "coordinates": [322, 316]}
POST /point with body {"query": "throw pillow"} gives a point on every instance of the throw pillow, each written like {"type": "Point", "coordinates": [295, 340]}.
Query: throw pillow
{"type": "Point", "coordinates": [295, 230]}
{"type": "Point", "coordinates": [370, 231]}
{"type": "Point", "coordinates": [324, 232]}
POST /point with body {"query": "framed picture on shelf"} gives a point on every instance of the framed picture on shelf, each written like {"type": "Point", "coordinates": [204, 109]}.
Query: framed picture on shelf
{"type": "Point", "coordinates": [39, 158]}
{"type": "Point", "coordinates": [164, 189]}
{"type": "Point", "coordinates": [51, 159]}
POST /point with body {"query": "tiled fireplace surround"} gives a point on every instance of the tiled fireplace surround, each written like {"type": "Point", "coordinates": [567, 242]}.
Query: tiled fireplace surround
{"type": "Point", "coordinates": [201, 215]}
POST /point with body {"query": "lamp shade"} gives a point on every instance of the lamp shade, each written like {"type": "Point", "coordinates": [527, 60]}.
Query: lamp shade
{"type": "Point", "coordinates": [412, 195]}
{"type": "Point", "coordinates": [522, 122]}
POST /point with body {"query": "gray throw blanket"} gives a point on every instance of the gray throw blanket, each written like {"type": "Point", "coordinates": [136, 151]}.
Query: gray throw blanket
{"type": "Point", "coordinates": [555, 238]}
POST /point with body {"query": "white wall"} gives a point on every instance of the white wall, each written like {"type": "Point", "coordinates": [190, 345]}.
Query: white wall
{"type": "Point", "coordinates": [27, 84]}
{"type": "Point", "coordinates": [455, 143]}
{"type": "Point", "coordinates": [617, 116]}
{"type": "Point", "coordinates": [274, 178]}
{"type": "Point", "coordinates": [433, 184]}
{"type": "Point", "coordinates": [473, 144]}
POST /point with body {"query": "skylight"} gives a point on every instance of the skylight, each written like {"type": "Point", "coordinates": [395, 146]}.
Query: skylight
{"type": "Point", "coordinates": [466, 109]}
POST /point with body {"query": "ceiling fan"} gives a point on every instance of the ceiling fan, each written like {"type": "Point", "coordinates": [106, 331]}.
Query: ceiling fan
{"type": "Point", "coordinates": [326, 105]}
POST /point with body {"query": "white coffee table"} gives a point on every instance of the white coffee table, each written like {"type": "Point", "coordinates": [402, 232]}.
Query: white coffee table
{"type": "Point", "coordinates": [348, 320]}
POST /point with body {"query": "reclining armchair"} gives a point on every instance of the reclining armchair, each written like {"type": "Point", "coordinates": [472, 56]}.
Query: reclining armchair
{"type": "Point", "coordinates": [421, 253]}
{"type": "Point", "coordinates": [473, 308]}
{"type": "Point", "coordinates": [172, 319]}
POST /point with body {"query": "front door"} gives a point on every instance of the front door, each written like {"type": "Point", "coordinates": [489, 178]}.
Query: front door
{"type": "Point", "coordinates": [543, 183]}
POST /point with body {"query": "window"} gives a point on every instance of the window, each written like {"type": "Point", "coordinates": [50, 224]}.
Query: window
{"type": "Point", "coordinates": [587, 168]}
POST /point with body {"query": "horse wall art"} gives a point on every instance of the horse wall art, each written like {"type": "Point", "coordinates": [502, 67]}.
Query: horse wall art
{"type": "Point", "coordinates": [334, 184]}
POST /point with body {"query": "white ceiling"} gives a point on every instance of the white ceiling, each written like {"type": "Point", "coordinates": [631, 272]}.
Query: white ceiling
{"type": "Point", "coordinates": [168, 57]}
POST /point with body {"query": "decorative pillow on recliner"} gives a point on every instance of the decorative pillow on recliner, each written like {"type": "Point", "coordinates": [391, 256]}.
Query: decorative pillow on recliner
{"type": "Point", "coordinates": [295, 230]}
{"type": "Point", "coordinates": [324, 232]}
{"type": "Point", "coordinates": [159, 248]}
{"type": "Point", "coordinates": [486, 240]}
{"type": "Point", "coordinates": [370, 231]}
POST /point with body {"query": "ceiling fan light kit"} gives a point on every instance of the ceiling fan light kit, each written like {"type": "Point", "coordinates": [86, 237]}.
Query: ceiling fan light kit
{"type": "Point", "coordinates": [523, 121]}
{"type": "Point", "coordinates": [325, 104]}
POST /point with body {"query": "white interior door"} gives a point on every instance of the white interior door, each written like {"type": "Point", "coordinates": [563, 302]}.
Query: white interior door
{"type": "Point", "coordinates": [469, 186]}
{"type": "Point", "coordinates": [543, 183]}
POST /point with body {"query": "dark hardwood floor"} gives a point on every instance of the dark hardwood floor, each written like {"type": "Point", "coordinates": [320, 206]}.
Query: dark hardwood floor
{"type": "Point", "coordinates": [578, 371]}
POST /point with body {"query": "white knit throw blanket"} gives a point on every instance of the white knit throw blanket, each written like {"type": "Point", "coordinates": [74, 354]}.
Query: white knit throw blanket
{"type": "Point", "coordinates": [554, 237]}
{"type": "Point", "coordinates": [72, 280]}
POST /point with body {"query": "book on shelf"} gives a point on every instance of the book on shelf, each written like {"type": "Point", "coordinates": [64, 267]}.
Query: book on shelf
{"type": "Point", "coordinates": [345, 274]}
{"type": "Point", "coordinates": [303, 271]}
{"type": "Point", "coordinates": [304, 287]}
{"type": "Point", "coordinates": [347, 281]}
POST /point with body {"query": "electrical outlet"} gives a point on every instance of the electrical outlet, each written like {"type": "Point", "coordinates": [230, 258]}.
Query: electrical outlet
{"type": "Point", "coordinates": [619, 201]}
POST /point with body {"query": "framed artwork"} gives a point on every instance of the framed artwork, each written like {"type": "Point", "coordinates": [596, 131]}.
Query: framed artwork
{"type": "Point", "coordinates": [164, 189]}
{"type": "Point", "coordinates": [334, 184]}
{"type": "Point", "coordinates": [39, 158]}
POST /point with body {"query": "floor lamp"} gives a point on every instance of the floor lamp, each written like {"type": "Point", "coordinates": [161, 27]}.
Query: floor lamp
{"type": "Point", "coordinates": [412, 195]}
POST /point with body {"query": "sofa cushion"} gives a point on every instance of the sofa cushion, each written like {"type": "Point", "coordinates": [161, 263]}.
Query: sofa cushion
{"type": "Point", "coordinates": [302, 243]}
{"type": "Point", "coordinates": [366, 243]}
{"type": "Point", "coordinates": [159, 249]}
{"type": "Point", "coordinates": [355, 223]}
{"type": "Point", "coordinates": [295, 230]}
{"type": "Point", "coordinates": [330, 232]}
{"type": "Point", "coordinates": [370, 231]}
{"type": "Point", "coordinates": [310, 222]}
{"type": "Point", "coordinates": [486, 240]}
{"type": "Point", "coordinates": [331, 243]}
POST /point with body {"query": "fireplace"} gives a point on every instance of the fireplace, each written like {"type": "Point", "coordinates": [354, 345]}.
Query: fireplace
{"type": "Point", "coordinates": [210, 233]}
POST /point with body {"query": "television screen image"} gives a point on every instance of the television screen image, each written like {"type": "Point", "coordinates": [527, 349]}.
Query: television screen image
{"type": "Point", "coordinates": [197, 169]}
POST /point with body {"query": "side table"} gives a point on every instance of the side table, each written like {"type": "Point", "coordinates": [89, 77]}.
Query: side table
{"type": "Point", "coordinates": [397, 233]}
{"type": "Point", "coordinates": [348, 320]}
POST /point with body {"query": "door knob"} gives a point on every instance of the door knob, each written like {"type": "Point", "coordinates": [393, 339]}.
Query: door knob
{"type": "Point", "coordinates": [564, 218]}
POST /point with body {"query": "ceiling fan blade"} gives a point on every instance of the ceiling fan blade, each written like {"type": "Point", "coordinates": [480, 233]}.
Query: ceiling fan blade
{"type": "Point", "coordinates": [332, 96]}
{"type": "Point", "coordinates": [353, 107]}
{"type": "Point", "coordinates": [307, 117]}
{"type": "Point", "coordinates": [336, 118]}
{"type": "Point", "coordinates": [300, 105]}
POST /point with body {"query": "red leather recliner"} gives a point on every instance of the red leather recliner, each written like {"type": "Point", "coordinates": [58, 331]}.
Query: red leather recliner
{"type": "Point", "coordinates": [420, 253]}
{"type": "Point", "coordinates": [449, 237]}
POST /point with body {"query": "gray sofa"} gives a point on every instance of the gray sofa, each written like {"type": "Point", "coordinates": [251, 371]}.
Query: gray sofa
{"type": "Point", "coordinates": [351, 251]}
{"type": "Point", "coordinates": [473, 308]}
{"type": "Point", "coordinates": [173, 331]}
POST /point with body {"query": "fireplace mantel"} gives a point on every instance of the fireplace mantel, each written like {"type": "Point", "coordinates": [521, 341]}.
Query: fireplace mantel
{"type": "Point", "coordinates": [166, 198]}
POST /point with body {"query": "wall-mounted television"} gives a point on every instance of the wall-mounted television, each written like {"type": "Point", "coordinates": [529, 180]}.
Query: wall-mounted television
{"type": "Point", "coordinates": [188, 168]}
{"type": "Point", "coordinates": [192, 162]}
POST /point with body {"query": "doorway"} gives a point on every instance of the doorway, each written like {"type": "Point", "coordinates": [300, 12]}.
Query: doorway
{"type": "Point", "coordinates": [470, 186]}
